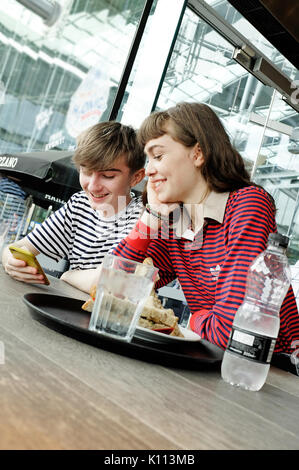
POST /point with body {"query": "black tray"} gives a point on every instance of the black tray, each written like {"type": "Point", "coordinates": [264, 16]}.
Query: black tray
{"type": "Point", "coordinates": [65, 315]}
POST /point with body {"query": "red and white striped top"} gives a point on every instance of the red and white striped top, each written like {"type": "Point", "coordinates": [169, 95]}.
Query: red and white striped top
{"type": "Point", "coordinates": [213, 269]}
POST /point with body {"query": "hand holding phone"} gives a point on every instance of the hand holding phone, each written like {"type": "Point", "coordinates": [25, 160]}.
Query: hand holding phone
{"type": "Point", "coordinates": [29, 258]}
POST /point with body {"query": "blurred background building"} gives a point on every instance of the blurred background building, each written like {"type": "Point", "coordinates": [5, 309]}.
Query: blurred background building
{"type": "Point", "coordinates": [67, 64]}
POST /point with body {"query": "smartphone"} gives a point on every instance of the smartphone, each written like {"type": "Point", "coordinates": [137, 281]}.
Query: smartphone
{"type": "Point", "coordinates": [29, 258]}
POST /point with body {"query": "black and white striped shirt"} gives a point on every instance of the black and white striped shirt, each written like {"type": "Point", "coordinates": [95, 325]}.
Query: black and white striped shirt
{"type": "Point", "coordinates": [79, 233]}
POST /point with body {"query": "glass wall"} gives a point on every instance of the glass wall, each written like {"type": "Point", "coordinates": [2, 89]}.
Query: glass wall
{"type": "Point", "coordinates": [262, 126]}
{"type": "Point", "coordinates": [57, 81]}
{"type": "Point", "coordinates": [233, 17]}
{"type": "Point", "coordinates": [278, 168]}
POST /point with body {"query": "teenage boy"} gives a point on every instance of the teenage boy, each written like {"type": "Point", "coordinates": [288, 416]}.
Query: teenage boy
{"type": "Point", "coordinates": [110, 162]}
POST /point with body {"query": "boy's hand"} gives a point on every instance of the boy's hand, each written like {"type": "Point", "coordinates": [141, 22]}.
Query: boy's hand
{"type": "Point", "coordinates": [20, 271]}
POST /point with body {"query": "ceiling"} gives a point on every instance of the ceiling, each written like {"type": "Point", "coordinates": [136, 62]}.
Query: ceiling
{"type": "Point", "coordinates": [277, 21]}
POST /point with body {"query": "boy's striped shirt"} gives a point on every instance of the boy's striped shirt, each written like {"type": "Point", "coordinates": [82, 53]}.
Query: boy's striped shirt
{"type": "Point", "coordinates": [79, 233]}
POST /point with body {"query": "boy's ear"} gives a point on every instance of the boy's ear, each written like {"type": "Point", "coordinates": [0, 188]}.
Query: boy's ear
{"type": "Point", "coordinates": [137, 177]}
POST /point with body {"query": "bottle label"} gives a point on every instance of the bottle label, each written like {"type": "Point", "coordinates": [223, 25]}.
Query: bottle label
{"type": "Point", "coordinates": [251, 345]}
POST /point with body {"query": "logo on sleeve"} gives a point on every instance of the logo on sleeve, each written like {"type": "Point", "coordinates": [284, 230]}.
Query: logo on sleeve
{"type": "Point", "coordinates": [215, 272]}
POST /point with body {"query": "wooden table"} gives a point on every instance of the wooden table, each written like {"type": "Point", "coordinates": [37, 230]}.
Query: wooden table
{"type": "Point", "coordinates": [59, 393]}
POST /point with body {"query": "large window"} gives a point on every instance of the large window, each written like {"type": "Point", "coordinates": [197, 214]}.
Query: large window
{"type": "Point", "coordinates": [277, 168]}
{"type": "Point", "coordinates": [56, 81]}
{"type": "Point", "coordinates": [262, 126]}
{"type": "Point", "coordinates": [233, 17]}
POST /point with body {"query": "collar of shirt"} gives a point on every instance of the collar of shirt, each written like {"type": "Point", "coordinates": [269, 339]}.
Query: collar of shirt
{"type": "Point", "coordinates": [213, 208]}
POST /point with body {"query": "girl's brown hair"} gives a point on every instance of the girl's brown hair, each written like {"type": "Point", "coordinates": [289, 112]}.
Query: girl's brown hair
{"type": "Point", "coordinates": [191, 123]}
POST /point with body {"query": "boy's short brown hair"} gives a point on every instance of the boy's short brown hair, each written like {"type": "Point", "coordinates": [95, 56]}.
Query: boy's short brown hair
{"type": "Point", "coordinates": [100, 145]}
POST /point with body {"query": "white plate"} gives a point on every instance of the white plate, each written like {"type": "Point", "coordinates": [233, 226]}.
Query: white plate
{"type": "Point", "coordinates": [151, 335]}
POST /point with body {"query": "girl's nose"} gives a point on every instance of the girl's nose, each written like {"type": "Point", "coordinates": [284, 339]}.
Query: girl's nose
{"type": "Point", "coordinates": [150, 168]}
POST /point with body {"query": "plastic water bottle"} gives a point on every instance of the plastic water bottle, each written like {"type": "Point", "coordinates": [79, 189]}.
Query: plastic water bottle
{"type": "Point", "coordinates": [246, 361]}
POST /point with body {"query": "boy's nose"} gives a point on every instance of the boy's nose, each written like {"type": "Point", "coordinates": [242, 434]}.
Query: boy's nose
{"type": "Point", "coordinates": [94, 181]}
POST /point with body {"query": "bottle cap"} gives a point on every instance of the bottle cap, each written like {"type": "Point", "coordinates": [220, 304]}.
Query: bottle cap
{"type": "Point", "coordinates": [278, 239]}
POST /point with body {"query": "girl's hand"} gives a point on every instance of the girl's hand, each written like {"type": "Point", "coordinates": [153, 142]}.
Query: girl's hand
{"type": "Point", "coordinates": [160, 207]}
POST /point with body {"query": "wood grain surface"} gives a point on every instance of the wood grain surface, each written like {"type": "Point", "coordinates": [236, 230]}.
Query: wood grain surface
{"type": "Point", "coordinates": [59, 393]}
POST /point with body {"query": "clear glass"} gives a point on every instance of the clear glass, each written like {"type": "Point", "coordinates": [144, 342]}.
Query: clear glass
{"type": "Point", "coordinates": [123, 287]}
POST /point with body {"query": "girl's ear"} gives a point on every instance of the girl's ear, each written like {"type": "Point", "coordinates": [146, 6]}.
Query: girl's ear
{"type": "Point", "coordinates": [197, 156]}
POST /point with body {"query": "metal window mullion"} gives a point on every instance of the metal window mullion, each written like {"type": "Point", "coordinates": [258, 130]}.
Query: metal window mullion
{"type": "Point", "coordinates": [218, 23]}
{"type": "Point", "coordinates": [130, 61]}
{"type": "Point", "coordinates": [169, 56]}
{"type": "Point", "coordinates": [234, 37]}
